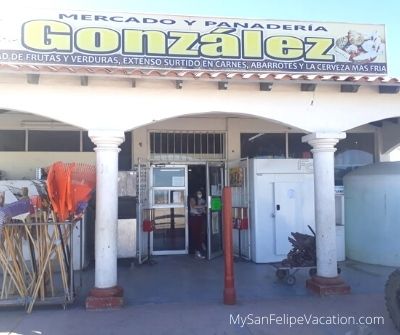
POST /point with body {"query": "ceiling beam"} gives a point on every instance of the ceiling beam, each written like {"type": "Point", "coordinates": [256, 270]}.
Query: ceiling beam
{"type": "Point", "coordinates": [349, 88]}
{"type": "Point", "coordinates": [307, 87]}
{"type": "Point", "coordinates": [84, 80]}
{"type": "Point", "coordinates": [178, 84]}
{"type": "Point", "coordinates": [265, 86]}
{"type": "Point", "coordinates": [222, 85]}
{"type": "Point", "coordinates": [387, 89]}
{"type": "Point", "coordinates": [32, 78]}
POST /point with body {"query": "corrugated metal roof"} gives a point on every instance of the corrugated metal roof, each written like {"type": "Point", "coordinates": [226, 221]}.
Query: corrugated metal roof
{"type": "Point", "coordinates": [197, 74]}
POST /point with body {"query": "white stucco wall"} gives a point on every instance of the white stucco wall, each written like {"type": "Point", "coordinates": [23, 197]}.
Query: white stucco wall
{"type": "Point", "coordinates": [232, 125]}
{"type": "Point", "coordinates": [22, 165]}
{"type": "Point", "coordinates": [10, 162]}
{"type": "Point", "coordinates": [15, 120]}
{"type": "Point", "coordinates": [112, 103]}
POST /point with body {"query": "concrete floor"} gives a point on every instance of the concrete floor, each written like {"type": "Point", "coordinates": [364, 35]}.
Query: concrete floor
{"type": "Point", "coordinates": [177, 279]}
{"type": "Point", "coordinates": [183, 295]}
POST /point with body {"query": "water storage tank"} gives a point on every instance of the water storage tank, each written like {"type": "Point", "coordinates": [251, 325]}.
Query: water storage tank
{"type": "Point", "coordinates": [372, 214]}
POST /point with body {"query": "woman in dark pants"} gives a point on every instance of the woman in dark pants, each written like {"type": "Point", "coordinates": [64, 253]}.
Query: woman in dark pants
{"type": "Point", "coordinates": [197, 215]}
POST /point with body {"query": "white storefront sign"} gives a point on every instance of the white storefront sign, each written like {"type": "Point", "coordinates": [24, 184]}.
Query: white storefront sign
{"type": "Point", "coordinates": [89, 39]}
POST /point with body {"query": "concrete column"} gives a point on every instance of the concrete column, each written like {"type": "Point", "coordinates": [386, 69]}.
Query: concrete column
{"type": "Point", "coordinates": [327, 280]}
{"type": "Point", "coordinates": [106, 293]}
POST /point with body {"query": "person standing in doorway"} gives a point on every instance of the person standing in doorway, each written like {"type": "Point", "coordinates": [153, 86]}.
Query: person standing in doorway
{"type": "Point", "coordinates": [197, 215]}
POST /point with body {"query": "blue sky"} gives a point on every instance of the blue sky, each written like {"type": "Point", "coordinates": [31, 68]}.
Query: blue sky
{"type": "Point", "coordinates": [352, 11]}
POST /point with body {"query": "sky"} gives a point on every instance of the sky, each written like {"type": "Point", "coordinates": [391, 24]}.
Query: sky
{"type": "Point", "coordinates": [351, 11]}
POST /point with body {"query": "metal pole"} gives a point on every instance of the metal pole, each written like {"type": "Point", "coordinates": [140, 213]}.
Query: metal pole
{"type": "Point", "coordinates": [81, 226]}
{"type": "Point", "coordinates": [229, 282]}
{"type": "Point", "coordinates": [70, 226]}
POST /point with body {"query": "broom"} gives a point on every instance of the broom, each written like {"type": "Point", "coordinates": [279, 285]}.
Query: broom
{"type": "Point", "coordinates": [57, 188]}
{"type": "Point", "coordinates": [13, 209]}
{"type": "Point", "coordinates": [82, 183]}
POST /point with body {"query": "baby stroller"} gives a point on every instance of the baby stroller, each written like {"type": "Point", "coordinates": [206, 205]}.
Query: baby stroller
{"type": "Point", "coordinates": [302, 256]}
{"type": "Point", "coordinates": [303, 253]}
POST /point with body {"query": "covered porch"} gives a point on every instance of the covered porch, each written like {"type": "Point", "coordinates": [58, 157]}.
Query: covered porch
{"type": "Point", "coordinates": [180, 295]}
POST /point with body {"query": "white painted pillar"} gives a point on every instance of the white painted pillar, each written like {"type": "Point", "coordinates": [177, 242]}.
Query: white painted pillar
{"type": "Point", "coordinates": [324, 191]}
{"type": "Point", "coordinates": [107, 143]}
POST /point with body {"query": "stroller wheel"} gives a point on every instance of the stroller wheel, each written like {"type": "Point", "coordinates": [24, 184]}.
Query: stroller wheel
{"type": "Point", "coordinates": [312, 272]}
{"type": "Point", "coordinates": [281, 274]}
{"type": "Point", "coordinates": [290, 280]}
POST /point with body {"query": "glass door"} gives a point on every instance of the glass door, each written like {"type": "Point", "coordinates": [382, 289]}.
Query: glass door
{"type": "Point", "coordinates": [168, 202]}
{"type": "Point", "coordinates": [215, 184]}
{"type": "Point", "coordinates": [142, 210]}
{"type": "Point", "coordinates": [238, 179]}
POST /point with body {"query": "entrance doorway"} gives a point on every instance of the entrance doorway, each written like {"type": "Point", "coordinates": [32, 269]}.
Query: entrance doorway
{"type": "Point", "coordinates": [168, 209]}
{"type": "Point", "coordinates": [209, 180]}
{"type": "Point", "coordinates": [197, 218]}
{"type": "Point", "coordinates": [169, 193]}
{"type": "Point", "coordinates": [215, 182]}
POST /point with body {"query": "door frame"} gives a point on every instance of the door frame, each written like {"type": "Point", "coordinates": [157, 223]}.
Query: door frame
{"type": "Point", "coordinates": [185, 207]}
{"type": "Point", "coordinates": [241, 199]}
{"type": "Point", "coordinates": [142, 194]}
{"type": "Point", "coordinates": [149, 205]}
{"type": "Point", "coordinates": [221, 165]}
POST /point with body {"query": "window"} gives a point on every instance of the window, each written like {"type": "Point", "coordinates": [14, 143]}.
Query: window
{"type": "Point", "coordinates": [39, 140]}
{"type": "Point", "coordinates": [272, 145]}
{"type": "Point", "coordinates": [12, 140]}
{"type": "Point", "coordinates": [168, 177]}
{"type": "Point", "coordinates": [180, 146]}
{"type": "Point", "coordinates": [87, 144]}
{"type": "Point", "coordinates": [356, 150]}
{"type": "Point", "coordinates": [298, 149]}
{"type": "Point", "coordinates": [125, 155]}
{"type": "Point", "coordinates": [60, 141]}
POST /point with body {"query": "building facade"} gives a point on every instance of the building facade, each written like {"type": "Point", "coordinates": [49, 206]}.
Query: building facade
{"type": "Point", "coordinates": [198, 119]}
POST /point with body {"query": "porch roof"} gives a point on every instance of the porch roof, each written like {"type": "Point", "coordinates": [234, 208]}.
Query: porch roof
{"type": "Point", "coordinates": [185, 74]}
